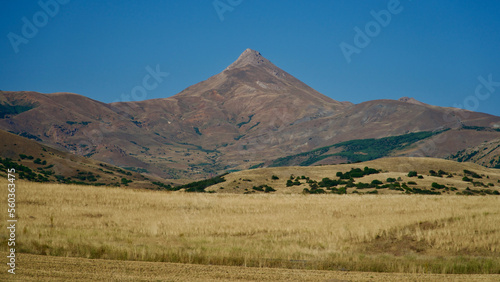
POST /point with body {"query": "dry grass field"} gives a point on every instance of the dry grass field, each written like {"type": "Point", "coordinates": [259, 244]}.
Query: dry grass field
{"type": "Point", "coordinates": [373, 233]}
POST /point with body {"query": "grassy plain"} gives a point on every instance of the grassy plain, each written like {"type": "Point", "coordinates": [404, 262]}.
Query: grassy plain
{"type": "Point", "coordinates": [375, 233]}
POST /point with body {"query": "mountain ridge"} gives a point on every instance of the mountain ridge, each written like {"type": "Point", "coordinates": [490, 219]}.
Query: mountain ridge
{"type": "Point", "coordinates": [252, 112]}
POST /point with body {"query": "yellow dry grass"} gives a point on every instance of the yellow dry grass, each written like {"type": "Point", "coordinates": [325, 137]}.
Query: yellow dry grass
{"type": "Point", "coordinates": [390, 233]}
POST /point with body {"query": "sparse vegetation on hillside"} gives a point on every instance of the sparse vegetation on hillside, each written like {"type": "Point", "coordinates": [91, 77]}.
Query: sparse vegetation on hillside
{"type": "Point", "coordinates": [39, 163]}
{"type": "Point", "coordinates": [199, 186]}
{"type": "Point", "coordinates": [264, 188]}
{"type": "Point", "coordinates": [357, 150]}
{"type": "Point", "coordinates": [16, 108]}
{"type": "Point", "coordinates": [472, 174]}
{"type": "Point", "coordinates": [443, 178]}
{"type": "Point", "coordinates": [23, 171]}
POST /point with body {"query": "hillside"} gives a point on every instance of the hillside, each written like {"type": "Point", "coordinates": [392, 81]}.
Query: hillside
{"type": "Point", "coordinates": [442, 144]}
{"type": "Point", "coordinates": [381, 176]}
{"type": "Point", "coordinates": [355, 150]}
{"type": "Point", "coordinates": [40, 163]}
{"type": "Point", "coordinates": [251, 113]}
{"type": "Point", "coordinates": [486, 154]}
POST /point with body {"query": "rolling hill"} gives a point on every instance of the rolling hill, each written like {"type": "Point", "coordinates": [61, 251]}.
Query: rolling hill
{"type": "Point", "coordinates": [40, 163]}
{"type": "Point", "coordinates": [381, 176]}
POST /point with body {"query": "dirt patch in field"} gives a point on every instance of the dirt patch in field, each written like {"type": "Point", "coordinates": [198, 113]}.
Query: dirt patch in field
{"type": "Point", "coordinates": [404, 241]}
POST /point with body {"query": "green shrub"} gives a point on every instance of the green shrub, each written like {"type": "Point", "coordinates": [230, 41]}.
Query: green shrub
{"type": "Point", "coordinates": [423, 191]}
{"type": "Point", "coordinates": [274, 177]}
{"type": "Point", "coordinates": [268, 189]}
{"type": "Point", "coordinates": [442, 172]}
{"type": "Point", "coordinates": [412, 173]}
{"type": "Point", "coordinates": [263, 188]}
{"type": "Point", "coordinates": [437, 185]}
{"type": "Point", "coordinates": [162, 186]}
{"type": "Point", "coordinates": [466, 179]}
{"type": "Point", "coordinates": [357, 173]}
{"type": "Point", "coordinates": [125, 181]}
{"type": "Point", "coordinates": [327, 182]}
{"type": "Point", "coordinates": [199, 186]}
{"type": "Point", "coordinates": [340, 191]}
{"type": "Point", "coordinates": [391, 180]}
{"type": "Point", "coordinates": [23, 156]}
{"type": "Point", "coordinates": [472, 174]}
{"type": "Point", "coordinates": [362, 185]}
{"type": "Point", "coordinates": [313, 191]}
{"type": "Point", "coordinates": [350, 184]}
{"type": "Point", "coordinates": [258, 188]}
{"type": "Point", "coordinates": [477, 184]}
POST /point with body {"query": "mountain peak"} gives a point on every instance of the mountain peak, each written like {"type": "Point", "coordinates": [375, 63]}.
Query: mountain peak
{"type": "Point", "coordinates": [410, 100]}
{"type": "Point", "coordinates": [249, 57]}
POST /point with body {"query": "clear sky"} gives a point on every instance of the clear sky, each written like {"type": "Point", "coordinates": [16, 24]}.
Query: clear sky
{"type": "Point", "coordinates": [434, 51]}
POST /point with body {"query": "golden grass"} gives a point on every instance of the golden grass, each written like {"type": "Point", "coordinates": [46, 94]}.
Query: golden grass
{"type": "Point", "coordinates": [392, 233]}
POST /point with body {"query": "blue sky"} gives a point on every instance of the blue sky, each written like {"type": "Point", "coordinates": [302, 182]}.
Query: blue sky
{"type": "Point", "coordinates": [434, 51]}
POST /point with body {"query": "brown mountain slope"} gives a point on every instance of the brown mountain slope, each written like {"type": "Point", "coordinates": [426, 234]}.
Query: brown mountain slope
{"type": "Point", "coordinates": [251, 94]}
{"type": "Point", "coordinates": [487, 154]}
{"type": "Point", "coordinates": [37, 162]}
{"type": "Point", "coordinates": [250, 113]}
